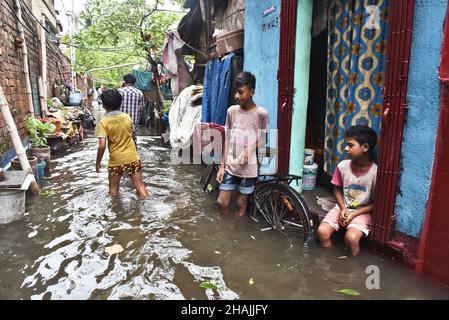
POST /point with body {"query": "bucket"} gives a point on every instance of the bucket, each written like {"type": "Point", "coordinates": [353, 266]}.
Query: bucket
{"type": "Point", "coordinates": [75, 98]}
{"type": "Point", "coordinates": [309, 176]}
{"type": "Point", "coordinates": [40, 169]}
{"type": "Point", "coordinates": [13, 205]}
{"type": "Point", "coordinates": [309, 155]}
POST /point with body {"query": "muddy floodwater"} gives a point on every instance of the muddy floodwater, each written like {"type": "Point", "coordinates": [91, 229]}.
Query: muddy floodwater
{"type": "Point", "coordinates": [172, 242]}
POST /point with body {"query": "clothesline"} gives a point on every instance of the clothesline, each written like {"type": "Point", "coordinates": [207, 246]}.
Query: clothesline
{"type": "Point", "coordinates": [206, 55]}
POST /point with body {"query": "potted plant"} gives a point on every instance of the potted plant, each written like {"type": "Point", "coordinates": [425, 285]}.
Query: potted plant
{"type": "Point", "coordinates": [37, 132]}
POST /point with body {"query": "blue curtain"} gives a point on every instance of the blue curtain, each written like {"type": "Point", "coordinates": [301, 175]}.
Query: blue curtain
{"type": "Point", "coordinates": [356, 71]}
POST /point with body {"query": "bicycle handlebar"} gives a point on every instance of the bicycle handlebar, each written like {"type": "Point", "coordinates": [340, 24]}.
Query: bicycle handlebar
{"type": "Point", "coordinates": [275, 178]}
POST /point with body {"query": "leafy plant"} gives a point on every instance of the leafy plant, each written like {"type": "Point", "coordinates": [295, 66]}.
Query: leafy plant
{"type": "Point", "coordinates": [349, 292]}
{"type": "Point", "coordinates": [113, 37]}
{"type": "Point", "coordinates": [208, 285]}
{"type": "Point", "coordinates": [37, 131]}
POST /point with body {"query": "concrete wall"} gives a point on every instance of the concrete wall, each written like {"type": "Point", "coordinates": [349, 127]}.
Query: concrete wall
{"type": "Point", "coordinates": [302, 70]}
{"type": "Point", "coordinates": [422, 117]}
{"type": "Point", "coordinates": [262, 35]}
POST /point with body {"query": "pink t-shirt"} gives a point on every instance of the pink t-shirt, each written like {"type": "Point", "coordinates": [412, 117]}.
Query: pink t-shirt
{"type": "Point", "coordinates": [358, 187]}
{"type": "Point", "coordinates": [244, 129]}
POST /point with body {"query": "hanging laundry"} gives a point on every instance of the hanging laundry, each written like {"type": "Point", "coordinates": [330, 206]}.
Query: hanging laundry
{"type": "Point", "coordinates": [144, 79]}
{"type": "Point", "coordinates": [175, 64]}
{"type": "Point", "coordinates": [217, 86]}
{"type": "Point", "coordinates": [210, 88]}
{"type": "Point", "coordinates": [184, 115]}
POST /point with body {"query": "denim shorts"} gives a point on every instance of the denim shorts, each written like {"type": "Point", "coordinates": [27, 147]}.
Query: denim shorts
{"type": "Point", "coordinates": [233, 183]}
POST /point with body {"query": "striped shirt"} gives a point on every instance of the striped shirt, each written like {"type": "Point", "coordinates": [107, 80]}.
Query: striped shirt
{"type": "Point", "coordinates": [132, 102]}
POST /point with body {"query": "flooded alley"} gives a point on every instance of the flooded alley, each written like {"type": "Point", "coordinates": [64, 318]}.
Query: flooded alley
{"type": "Point", "coordinates": [172, 242]}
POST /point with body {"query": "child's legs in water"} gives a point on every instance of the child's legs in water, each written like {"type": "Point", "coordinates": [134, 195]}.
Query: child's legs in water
{"type": "Point", "coordinates": [224, 200]}
{"type": "Point", "coordinates": [114, 183]}
{"type": "Point", "coordinates": [328, 226]}
{"type": "Point", "coordinates": [325, 232]}
{"type": "Point", "coordinates": [242, 201]}
{"type": "Point", "coordinates": [352, 240]}
{"type": "Point", "coordinates": [139, 185]}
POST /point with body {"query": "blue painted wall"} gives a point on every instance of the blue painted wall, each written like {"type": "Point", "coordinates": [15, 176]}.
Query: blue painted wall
{"type": "Point", "coordinates": [423, 97]}
{"type": "Point", "coordinates": [262, 35]}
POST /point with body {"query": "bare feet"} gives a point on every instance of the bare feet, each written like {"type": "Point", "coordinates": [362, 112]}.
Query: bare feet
{"type": "Point", "coordinates": [239, 215]}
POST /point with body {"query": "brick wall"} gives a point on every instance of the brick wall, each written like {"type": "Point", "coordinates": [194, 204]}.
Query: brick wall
{"type": "Point", "coordinates": [11, 70]}
{"type": "Point", "coordinates": [58, 66]}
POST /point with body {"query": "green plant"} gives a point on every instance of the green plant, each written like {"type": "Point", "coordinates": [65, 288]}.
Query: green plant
{"type": "Point", "coordinates": [166, 105]}
{"type": "Point", "coordinates": [37, 131]}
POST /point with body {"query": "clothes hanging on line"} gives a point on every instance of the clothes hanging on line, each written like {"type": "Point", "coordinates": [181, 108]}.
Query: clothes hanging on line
{"type": "Point", "coordinates": [175, 64]}
{"type": "Point", "coordinates": [217, 86]}
{"type": "Point", "coordinates": [144, 79]}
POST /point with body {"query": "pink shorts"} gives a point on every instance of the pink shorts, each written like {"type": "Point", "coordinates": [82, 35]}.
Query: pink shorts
{"type": "Point", "coordinates": [362, 222]}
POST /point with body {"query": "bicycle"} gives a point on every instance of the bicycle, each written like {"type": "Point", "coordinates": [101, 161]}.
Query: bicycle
{"type": "Point", "coordinates": [208, 179]}
{"type": "Point", "coordinates": [279, 204]}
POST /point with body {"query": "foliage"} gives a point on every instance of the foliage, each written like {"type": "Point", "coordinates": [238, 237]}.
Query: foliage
{"type": "Point", "coordinates": [166, 105]}
{"type": "Point", "coordinates": [37, 131]}
{"type": "Point", "coordinates": [112, 36]}
{"type": "Point", "coordinates": [208, 285]}
{"type": "Point", "coordinates": [349, 292]}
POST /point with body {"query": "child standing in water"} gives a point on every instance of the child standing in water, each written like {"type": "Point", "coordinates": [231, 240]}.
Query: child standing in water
{"type": "Point", "coordinates": [246, 128]}
{"type": "Point", "coordinates": [117, 128]}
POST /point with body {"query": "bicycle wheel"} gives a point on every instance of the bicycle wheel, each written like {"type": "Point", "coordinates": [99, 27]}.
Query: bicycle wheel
{"type": "Point", "coordinates": [205, 174]}
{"type": "Point", "coordinates": [283, 209]}
{"type": "Point", "coordinates": [208, 181]}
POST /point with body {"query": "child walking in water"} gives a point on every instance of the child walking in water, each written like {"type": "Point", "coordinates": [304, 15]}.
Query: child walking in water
{"type": "Point", "coordinates": [354, 183]}
{"type": "Point", "coordinates": [117, 128]}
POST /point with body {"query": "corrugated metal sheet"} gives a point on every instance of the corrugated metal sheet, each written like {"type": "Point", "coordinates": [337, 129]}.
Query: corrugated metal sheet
{"type": "Point", "coordinates": [232, 18]}
{"type": "Point", "coordinates": [286, 81]}
{"type": "Point", "coordinates": [398, 57]}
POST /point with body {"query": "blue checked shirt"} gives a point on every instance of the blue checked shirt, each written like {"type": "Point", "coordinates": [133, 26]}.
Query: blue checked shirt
{"type": "Point", "coordinates": [132, 102]}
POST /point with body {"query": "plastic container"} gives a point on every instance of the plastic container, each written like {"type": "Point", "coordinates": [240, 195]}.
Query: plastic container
{"type": "Point", "coordinates": [40, 167]}
{"type": "Point", "coordinates": [229, 41]}
{"type": "Point", "coordinates": [75, 98]}
{"type": "Point", "coordinates": [309, 155]}
{"type": "Point", "coordinates": [309, 176]}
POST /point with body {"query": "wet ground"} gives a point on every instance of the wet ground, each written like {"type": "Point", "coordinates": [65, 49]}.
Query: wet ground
{"type": "Point", "coordinates": [172, 243]}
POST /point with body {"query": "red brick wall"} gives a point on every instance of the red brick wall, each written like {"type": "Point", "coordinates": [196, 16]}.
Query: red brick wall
{"type": "Point", "coordinates": [11, 70]}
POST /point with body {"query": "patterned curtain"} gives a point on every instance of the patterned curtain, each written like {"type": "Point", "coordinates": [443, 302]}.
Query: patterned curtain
{"type": "Point", "coordinates": [356, 71]}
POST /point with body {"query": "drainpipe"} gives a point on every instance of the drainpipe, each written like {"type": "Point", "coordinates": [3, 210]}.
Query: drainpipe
{"type": "Point", "coordinates": [205, 15]}
{"type": "Point", "coordinates": [26, 68]}
{"type": "Point", "coordinates": [44, 79]}
{"type": "Point", "coordinates": [42, 96]}
{"type": "Point", "coordinates": [12, 129]}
